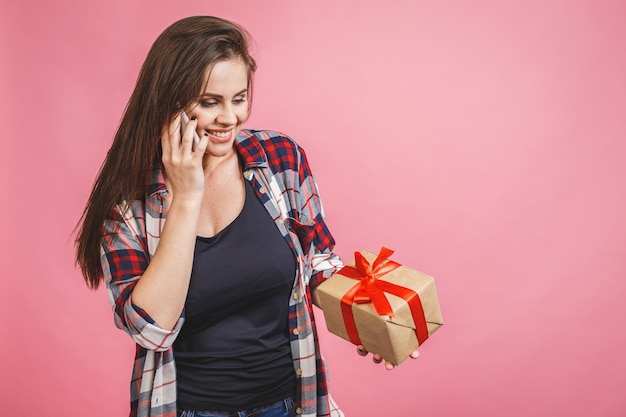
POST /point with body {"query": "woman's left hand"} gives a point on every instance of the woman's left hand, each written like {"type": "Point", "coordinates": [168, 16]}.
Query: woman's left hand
{"type": "Point", "coordinates": [378, 359]}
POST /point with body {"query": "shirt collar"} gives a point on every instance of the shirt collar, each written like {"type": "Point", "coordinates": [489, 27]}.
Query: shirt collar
{"type": "Point", "coordinates": [250, 150]}
{"type": "Point", "coordinates": [157, 182]}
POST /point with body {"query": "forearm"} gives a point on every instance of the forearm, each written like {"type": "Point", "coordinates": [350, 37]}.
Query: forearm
{"type": "Point", "coordinates": [162, 289]}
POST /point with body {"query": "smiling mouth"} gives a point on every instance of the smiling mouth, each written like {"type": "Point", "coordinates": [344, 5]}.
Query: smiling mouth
{"type": "Point", "coordinates": [220, 135]}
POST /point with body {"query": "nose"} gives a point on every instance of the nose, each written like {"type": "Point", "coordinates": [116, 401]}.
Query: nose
{"type": "Point", "coordinates": [227, 115]}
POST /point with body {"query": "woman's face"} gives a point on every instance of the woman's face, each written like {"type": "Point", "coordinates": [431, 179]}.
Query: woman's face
{"type": "Point", "coordinates": [223, 107]}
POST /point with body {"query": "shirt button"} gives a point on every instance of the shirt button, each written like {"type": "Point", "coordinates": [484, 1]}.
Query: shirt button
{"type": "Point", "coordinates": [299, 371]}
{"type": "Point", "coordinates": [299, 410]}
{"type": "Point", "coordinates": [295, 296]}
{"type": "Point", "coordinates": [296, 331]}
{"type": "Point", "coordinates": [262, 190]}
{"type": "Point", "coordinates": [281, 222]}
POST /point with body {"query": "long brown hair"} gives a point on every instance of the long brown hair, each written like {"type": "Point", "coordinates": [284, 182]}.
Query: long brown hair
{"type": "Point", "coordinates": [172, 77]}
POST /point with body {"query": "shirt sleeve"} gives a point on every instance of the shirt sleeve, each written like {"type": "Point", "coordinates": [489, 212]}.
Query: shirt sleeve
{"type": "Point", "coordinates": [124, 258]}
{"type": "Point", "coordinates": [316, 238]}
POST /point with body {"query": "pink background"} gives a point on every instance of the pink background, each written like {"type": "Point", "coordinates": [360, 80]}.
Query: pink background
{"type": "Point", "coordinates": [484, 141]}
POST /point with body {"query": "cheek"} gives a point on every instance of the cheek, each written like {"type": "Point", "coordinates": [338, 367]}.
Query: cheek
{"type": "Point", "coordinates": [205, 116]}
{"type": "Point", "coordinates": [242, 115]}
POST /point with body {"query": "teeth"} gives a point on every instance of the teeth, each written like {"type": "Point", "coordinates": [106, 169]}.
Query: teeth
{"type": "Point", "coordinates": [220, 134]}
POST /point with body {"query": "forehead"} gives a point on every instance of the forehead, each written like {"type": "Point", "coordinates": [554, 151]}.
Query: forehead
{"type": "Point", "coordinates": [226, 76]}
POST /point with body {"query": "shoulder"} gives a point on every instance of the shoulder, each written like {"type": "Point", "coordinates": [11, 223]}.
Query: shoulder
{"type": "Point", "coordinates": [274, 147]}
{"type": "Point", "coordinates": [269, 139]}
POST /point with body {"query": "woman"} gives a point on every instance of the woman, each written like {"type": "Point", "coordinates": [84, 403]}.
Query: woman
{"type": "Point", "coordinates": [222, 288]}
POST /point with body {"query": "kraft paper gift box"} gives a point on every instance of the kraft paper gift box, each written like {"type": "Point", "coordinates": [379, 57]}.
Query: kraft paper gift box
{"type": "Point", "coordinates": [388, 308]}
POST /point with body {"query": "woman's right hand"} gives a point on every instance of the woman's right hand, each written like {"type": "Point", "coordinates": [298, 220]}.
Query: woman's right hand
{"type": "Point", "coordinates": [183, 167]}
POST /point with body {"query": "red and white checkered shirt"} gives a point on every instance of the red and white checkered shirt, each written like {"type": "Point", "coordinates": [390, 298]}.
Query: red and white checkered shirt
{"type": "Point", "coordinates": [279, 173]}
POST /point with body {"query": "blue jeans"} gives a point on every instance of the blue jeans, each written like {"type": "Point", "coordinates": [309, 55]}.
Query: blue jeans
{"type": "Point", "coordinates": [282, 408]}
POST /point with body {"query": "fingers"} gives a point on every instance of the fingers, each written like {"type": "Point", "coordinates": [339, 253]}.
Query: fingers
{"type": "Point", "coordinates": [187, 130]}
{"type": "Point", "coordinates": [179, 134]}
{"type": "Point", "coordinates": [168, 135]}
{"type": "Point", "coordinates": [379, 359]}
{"type": "Point", "coordinates": [362, 352]}
{"type": "Point", "coordinates": [182, 165]}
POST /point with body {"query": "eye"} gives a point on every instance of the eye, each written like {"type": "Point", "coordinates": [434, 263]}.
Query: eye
{"type": "Point", "coordinates": [209, 103]}
{"type": "Point", "coordinates": [239, 100]}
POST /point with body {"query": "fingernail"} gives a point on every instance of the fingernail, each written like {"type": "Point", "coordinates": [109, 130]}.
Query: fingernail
{"type": "Point", "coordinates": [193, 117]}
{"type": "Point", "coordinates": [206, 134]}
{"type": "Point", "coordinates": [389, 366]}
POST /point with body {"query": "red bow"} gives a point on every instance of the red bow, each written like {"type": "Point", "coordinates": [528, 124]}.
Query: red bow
{"type": "Point", "coordinates": [371, 289]}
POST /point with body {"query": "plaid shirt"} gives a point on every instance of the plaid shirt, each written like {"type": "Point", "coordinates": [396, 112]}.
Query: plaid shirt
{"type": "Point", "coordinates": [279, 173]}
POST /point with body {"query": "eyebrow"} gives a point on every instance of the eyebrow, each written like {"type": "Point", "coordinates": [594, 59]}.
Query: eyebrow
{"type": "Point", "coordinates": [245, 90]}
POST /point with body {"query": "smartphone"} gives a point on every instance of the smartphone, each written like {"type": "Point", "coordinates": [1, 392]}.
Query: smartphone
{"type": "Point", "coordinates": [183, 124]}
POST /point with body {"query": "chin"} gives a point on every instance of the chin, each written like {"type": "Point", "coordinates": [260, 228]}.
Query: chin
{"type": "Point", "coordinates": [220, 150]}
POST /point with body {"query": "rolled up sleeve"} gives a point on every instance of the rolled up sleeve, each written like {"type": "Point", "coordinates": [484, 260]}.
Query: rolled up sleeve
{"type": "Point", "coordinates": [320, 243]}
{"type": "Point", "coordinates": [124, 259]}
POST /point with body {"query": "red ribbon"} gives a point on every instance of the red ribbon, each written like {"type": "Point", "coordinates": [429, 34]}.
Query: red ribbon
{"type": "Point", "coordinates": [371, 289]}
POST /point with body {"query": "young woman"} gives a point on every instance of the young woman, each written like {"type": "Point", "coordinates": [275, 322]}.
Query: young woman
{"type": "Point", "coordinates": [210, 251]}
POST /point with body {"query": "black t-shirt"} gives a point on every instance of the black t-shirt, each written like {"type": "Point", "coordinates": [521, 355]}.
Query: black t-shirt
{"type": "Point", "coordinates": [233, 350]}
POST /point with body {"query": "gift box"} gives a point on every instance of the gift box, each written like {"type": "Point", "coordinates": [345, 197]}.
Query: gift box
{"type": "Point", "coordinates": [388, 308]}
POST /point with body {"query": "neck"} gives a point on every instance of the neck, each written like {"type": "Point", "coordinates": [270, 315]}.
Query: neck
{"type": "Point", "coordinates": [214, 164]}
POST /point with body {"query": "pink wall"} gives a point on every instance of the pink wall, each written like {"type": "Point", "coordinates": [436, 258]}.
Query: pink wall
{"type": "Point", "coordinates": [484, 141]}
